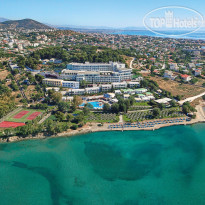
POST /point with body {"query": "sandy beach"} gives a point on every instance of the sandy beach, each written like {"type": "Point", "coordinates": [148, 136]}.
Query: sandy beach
{"type": "Point", "coordinates": [94, 127]}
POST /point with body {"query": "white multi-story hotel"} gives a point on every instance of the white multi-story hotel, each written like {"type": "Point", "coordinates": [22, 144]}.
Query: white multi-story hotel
{"type": "Point", "coordinates": [97, 72]}
{"type": "Point", "coordinates": [111, 66]}
{"type": "Point", "coordinates": [96, 77]}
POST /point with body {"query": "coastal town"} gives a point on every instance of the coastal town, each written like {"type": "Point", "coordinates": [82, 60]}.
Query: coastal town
{"type": "Point", "coordinates": [61, 82]}
{"type": "Point", "coordinates": [102, 102]}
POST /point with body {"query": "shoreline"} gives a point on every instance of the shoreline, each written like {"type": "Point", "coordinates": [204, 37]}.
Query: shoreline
{"type": "Point", "coordinates": [93, 127]}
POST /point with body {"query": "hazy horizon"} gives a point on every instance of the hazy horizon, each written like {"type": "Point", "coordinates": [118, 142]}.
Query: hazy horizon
{"type": "Point", "coordinates": [100, 13]}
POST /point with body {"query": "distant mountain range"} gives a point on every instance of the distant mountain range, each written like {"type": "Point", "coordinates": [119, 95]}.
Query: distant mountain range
{"type": "Point", "coordinates": [32, 24]}
{"type": "Point", "coordinates": [3, 19]}
{"type": "Point", "coordinates": [24, 24]}
{"type": "Point", "coordinates": [74, 27]}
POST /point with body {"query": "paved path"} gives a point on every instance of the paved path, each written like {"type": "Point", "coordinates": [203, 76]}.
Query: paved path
{"type": "Point", "coordinates": [44, 118]}
{"type": "Point", "coordinates": [121, 119]}
{"type": "Point", "coordinates": [190, 99]}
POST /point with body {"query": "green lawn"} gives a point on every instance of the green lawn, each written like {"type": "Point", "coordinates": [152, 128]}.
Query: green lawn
{"type": "Point", "coordinates": [24, 118]}
{"type": "Point", "coordinates": [77, 112]}
{"type": "Point", "coordinates": [125, 118]}
{"type": "Point", "coordinates": [141, 104]}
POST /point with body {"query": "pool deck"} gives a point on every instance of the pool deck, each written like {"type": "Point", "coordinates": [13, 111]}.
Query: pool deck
{"type": "Point", "coordinates": [96, 105]}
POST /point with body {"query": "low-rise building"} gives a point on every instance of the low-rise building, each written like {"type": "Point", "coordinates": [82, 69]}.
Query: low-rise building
{"type": "Point", "coordinates": [126, 96]}
{"type": "Point", "coordinates": [169, 74]}
{"type": "Point", "coordinates": [14, 66]}
{"type": "Point", "coordinates": [174, 66]}
{"type": "Point", "coordinates": [53, 88]}
{"type": "Point", "coordinates": [109, 95]}
{"type": "Point", "coordinates": [132, 84]}
{"type": "Point", "coordinates": [186, 77]}
{"type": "Point", "coordinates": [53, 82]}
{"type": "Point", "coordinates": [140, 90]}
{"type": "Point", "coordinates": [67, 98]}
{"type": "Point", "coordinates": [138, 99]}
{"type": "Point", "coordinates": [92, 90]}
{"type": "Point", "coordinates": [70, 84]}
{"type": "Point", "coordinates": [61, 83]}
{"type": "Point", "coordinates": [129, 91]}
{"type": "Point", "coordinates": [118, 92]}
{"type": "Point", "coordinates": [76, 92]}
{"type": "Point", "coordinates": [148, 94]}
{"type": "Point", "coordinates": [141, 96]}
{"type": "Point", "coordinates": [191, 65]}
{"type": "Point", "coordinates": [163, 101]}
{"type": "Point", "coordinates": [120, 85]}
{"type": "Point", "coordinates": [114, 100]}
{"type": "Point", "coordinates": [105, 88]}
{"type": "Point", "coordinates": [197, 72]}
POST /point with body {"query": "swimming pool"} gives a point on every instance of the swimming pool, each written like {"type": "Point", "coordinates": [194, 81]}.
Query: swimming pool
{"type": "Point", "coordinates": [96, 105]}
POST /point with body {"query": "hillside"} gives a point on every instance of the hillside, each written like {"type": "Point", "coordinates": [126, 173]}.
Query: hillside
{"type": "Point", "coordinates": [24, 24]}
{"type": "Point", "coordinates": [3, 19]}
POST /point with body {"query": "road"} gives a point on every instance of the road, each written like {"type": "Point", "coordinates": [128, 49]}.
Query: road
{"type": "Point", "coordinates": [131, 62]}
{"type": "Point", "coordinates": [190, 99]}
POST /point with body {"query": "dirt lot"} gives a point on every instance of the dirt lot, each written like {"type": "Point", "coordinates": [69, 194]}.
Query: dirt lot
{"type": "Point", "coordinates": [30, 90]}
{"type": "Point", "coordinates": [176, 88]}
{"type": "Point", "coordinates": [3, 74]}
{"type": "Point", "coordinates": [127, 59]}
{"type": "Point", "coordinates": [200, 82]}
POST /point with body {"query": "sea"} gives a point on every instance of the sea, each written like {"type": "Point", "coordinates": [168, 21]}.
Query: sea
{"type": "Point", "coordinates": [175, 34]}
{"type": "Point", "coordinates": [161, 167]}
{"type": "Point", "coordinates": [200, 35]}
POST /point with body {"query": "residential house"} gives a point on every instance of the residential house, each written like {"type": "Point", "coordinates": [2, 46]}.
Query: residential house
{"type": "Point", "coordinates": [197, 72]}
{"type": "Point", "coordinates": [174, 66]}
{"type": "Point", "coordinates": [169, 74]}
{"type": "Point", "coordinates": [186, 77]}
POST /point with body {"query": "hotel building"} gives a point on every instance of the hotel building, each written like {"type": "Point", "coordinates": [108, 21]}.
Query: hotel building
{"type": "Point", "coordinates": [61, 83]}
{"type": "Point", "coordinates": [97, 72]}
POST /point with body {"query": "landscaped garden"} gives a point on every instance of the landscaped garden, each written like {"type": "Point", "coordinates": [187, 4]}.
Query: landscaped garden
{"type": "Point", "coordinates": [102, 117]}
{"type": "Point", "coordinates": [147, 115]}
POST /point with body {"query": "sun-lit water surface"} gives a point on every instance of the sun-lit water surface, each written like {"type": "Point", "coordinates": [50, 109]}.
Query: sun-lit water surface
{"type": "Point", "coordinates": [165, 166]}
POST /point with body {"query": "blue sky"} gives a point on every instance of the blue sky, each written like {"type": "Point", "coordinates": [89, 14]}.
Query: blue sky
{"type": "Point", "coordinates": [111, 13]}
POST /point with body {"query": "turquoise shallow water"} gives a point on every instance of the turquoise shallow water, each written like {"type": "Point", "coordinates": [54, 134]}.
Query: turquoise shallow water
{"type": "Point", "coordinates": [165, 166]}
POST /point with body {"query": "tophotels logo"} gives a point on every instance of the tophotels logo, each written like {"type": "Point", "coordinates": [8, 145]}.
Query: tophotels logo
{"type": "Point", "coordinates": [173, 21]}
